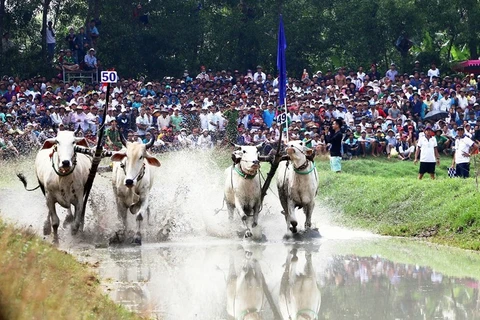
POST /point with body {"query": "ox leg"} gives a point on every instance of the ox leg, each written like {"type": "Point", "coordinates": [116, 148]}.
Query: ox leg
{"type": "Point", "coordinates": [148, 217]}
{"type": "Point", "coordinates": [292, 219]}
{"type": "Point", "coordinates": [231, 210]}
{"type": "Point", "coordinates": [308, 210]}
{"type": "Point", "coordinates": [138, 212]}
{"type": "Point", "coordinates": [69, 218]}
{"type": "Point", "coordinates": [243, 215]}
{"type": "Point", "coordinates": [79, 216]}
{"type": "Point", "coordinates": [47, 225]}
{"type": "Point", "coordinates": [286, 208]}
{"type": "Point", "coordinates": [122, 213]}
{"type": "Point", "coordinates": [52, 212]}
{"type": "Point", "coordinates": [256, 210]}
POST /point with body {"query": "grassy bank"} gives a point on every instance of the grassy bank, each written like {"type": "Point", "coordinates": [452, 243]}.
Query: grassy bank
{"type": "Point", "coordinates": [38, 281]}
{"type": "Point", "coordinates": [386, 197]}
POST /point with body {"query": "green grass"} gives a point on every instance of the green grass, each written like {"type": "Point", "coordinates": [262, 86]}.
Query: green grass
{"type": "Point", "coordinates": [386, 197]}
{"type": "Point", "coordinates": [37, 281]}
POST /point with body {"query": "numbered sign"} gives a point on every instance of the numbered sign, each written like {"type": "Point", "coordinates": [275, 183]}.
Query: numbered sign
{"type": "Point", "coordinates": [109, 76]}
{"type": "Point", "coordinates": [282, 118]}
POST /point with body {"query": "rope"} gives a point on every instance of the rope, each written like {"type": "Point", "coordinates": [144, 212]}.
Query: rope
{"type": "Point", "coordinates": [74, 161]}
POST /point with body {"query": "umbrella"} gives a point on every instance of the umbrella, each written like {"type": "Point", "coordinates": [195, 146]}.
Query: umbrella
{"type": "Point", "coordinates": [468, 66]}
{"type": "Point", "coordinates": [436, 115]}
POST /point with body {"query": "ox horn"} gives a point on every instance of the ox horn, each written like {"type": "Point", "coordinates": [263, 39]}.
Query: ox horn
{"type": "Point", "coordinates": [235, 145]}
{"type": "Point", "coordinates": [122, 139]}
{"type": "Point", "coordinates": [260, 145]}
{"type": "Point", "coordinates": [77, 131]}
{"type": "Point", "coordinates": [150, 143]}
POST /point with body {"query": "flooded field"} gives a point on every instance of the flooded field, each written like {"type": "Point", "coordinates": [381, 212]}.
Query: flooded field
{"type": "Point", "coordinates": [192, 264]}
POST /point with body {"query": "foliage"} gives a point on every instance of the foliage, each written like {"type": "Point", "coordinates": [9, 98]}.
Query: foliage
{"type": "Point", "coordinates": [241, 34]}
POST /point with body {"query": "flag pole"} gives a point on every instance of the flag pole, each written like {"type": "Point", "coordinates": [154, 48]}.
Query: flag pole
{"type": "Point", "coordinates": [282, 70]}
{"type": "Point", "coordinates": [286, 122]}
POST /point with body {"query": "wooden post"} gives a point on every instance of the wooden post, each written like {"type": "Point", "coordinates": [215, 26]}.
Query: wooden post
{"type": "Point", "coordinates": [97, 157]}
{"type": "Point", "coordinates": [274, 165]}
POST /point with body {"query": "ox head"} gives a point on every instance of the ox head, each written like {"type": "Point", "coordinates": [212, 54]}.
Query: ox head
{"type": "Point", "coordinates": [133, 160]}
{"type": "Point", "coordinates": [247, 156]}
{"type": "Point", "coordinates": [297, 151]}
{"type": "Point", "coordinates": [64, 145]}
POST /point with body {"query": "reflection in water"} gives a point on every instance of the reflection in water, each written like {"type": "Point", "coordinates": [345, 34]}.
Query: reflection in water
{"type": "Point", "coordinates": [300, 296]}
{"type": "Point", "coordinates": [133, 275]}
{"type": "Point", "coordinates": [245, 297]}
{"type": "Point", "coordinates": [277, 281]}
{"type": "Point", "coordinates": [354, 286]}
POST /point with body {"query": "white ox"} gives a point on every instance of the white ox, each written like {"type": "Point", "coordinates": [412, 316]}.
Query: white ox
{"type": "Point", "coordinates": [300, 296]}
{"type": "Point", "coordinates": [132, 180]}
{"type": "Point", "coordinates": [62, 174]}
{"type": "Point", "coordinates": [297, 184]}
{"type": "Point", "coordinates": [243, 187]}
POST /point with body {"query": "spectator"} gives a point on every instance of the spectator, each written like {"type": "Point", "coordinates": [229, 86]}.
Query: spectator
{"type": "Point", "coordinates": [205, 140]}
{"type": "Point", "coordinates": [433, 72]}
{"type": "Point", "coordinates": [90, 60]}
{"type": "Point", "coordinates": [464, 148]}
{"type": "Point", "coordinates": [334, 138]}
{"type": "Point", "coordinates": [93, 32]}
{"type": "Point", "coordinates": [69, 62]}
{"type": "Point", "coordinates": [427, 150]}
{"type": "Point", "coordinates": [50, 37]}
{"type": "Point", "coordinates": [82, 44]}
{"type": "Point", "coordinates": [392, 72]}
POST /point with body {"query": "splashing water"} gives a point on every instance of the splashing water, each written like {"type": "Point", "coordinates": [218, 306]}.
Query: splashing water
{"type": "Point", "coordinates": [186, 201]}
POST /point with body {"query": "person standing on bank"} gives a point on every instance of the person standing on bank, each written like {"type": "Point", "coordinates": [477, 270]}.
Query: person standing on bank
{"type": "Point", "coordinates": [464, 148]}
{"type": "Point", "coordinates": [334, 138]}
{"type": "Point", "coordinates": [427, 149]}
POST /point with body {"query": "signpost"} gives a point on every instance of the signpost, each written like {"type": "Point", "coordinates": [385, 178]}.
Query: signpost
{"type": "Point", "coordinates": [107, 77]}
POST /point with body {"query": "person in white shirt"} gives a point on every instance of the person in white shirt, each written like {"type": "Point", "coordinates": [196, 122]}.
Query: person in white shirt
{"type": "Point", "coordinates": [445, 103]}
{"type": "Point", "coordinates": [360, 74]}
{"type": "Point", "coordinates": [55, 116]}
{"type": "Point", "coordinates": [109, 117]}
{"type": "Point", "coordinates": [143, 121]}
{"type": "Point", "coordinates": [205, 140]}
{"type": "Point", "coordinates": [212, 120]}
{"type": "Point", "coordinates": [259, 73]}
{"type": "Point", "coordinates": [204, 119]}
{"type": "Point", "coordinates": [164, 120]}
{"type": "Point", "coordinates": [50, 37]}
{"type": "Point", "coordinates": [464, 147]}
{"type": "Point", "coordinates": [433, 72]}
{"type": "Point", "coordinates": [462, 100]}
{"type": "Point", "coordinates": [91, 120]}
{"type": "Point", "coordinates": [435, 105]}
{"type": "Point", "coordinates": [75, 87]}
{"type": "Point", "coordinates": [79, 119]}
{"type": "Point", "coordinates": [427, 150]}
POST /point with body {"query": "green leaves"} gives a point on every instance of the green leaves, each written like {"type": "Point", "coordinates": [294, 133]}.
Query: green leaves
{"type": "Point", "coordinates": [223, 34]}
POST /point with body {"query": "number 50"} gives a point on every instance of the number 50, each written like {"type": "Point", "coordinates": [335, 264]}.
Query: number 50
{"type": "Point", "coordinates": [109, 76]}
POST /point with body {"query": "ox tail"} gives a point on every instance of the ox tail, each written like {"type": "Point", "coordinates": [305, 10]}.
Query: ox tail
{"type": "Point", "coordinates": [24, 181]}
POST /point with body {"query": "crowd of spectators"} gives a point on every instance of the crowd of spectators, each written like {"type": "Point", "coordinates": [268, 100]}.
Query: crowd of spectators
{"type": "Point", "coordinates": [77, 50]}
{"type": "Point", "coordinates": [383, 113]}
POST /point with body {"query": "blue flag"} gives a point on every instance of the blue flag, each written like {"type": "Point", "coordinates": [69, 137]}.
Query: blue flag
{"type": "Point", "coordinates": [281, 63]}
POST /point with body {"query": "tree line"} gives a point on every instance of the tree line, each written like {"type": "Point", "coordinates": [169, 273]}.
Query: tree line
{"type": "Point", "coordinates": [157, 38]}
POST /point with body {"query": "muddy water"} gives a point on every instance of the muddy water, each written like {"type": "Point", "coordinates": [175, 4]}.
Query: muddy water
{"type": "Point", "coordinates": [192, 265]}
{"type": "Point", "coordinates": [212, 279]}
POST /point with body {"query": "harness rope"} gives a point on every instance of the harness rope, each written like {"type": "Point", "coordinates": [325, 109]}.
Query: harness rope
{"type": "Point", "coordinates": [139, 175]}
{"type": "Point", "coordinates": [74, 162]}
